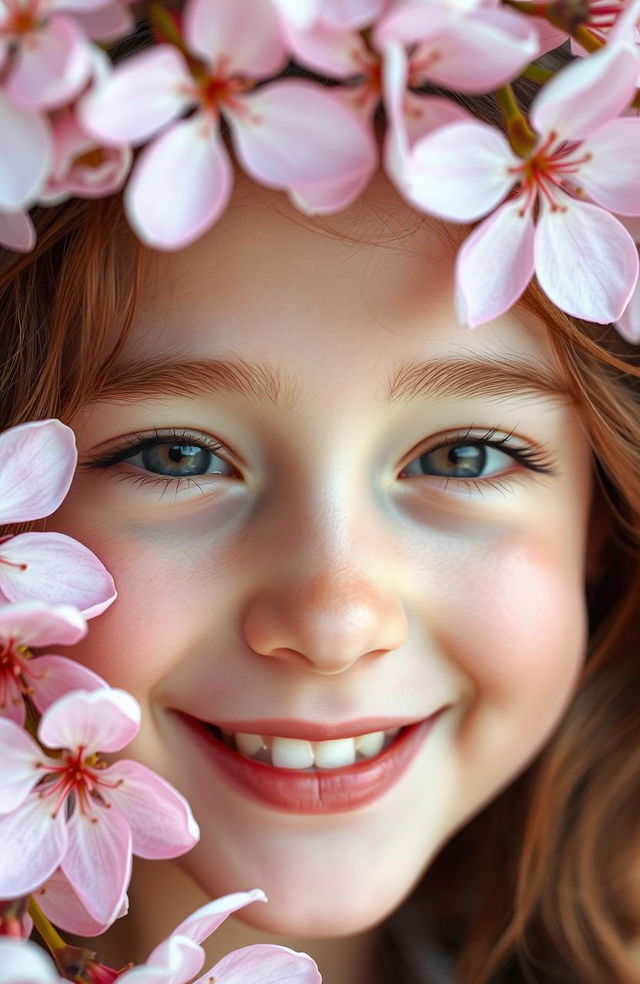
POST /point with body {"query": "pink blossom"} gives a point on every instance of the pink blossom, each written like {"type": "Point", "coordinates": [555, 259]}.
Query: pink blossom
{"type": "Point", "coordinates": [180, 957]}
{"type": "Point", "coordinates": [22, 962]}
{"type": "Point", "coordinates": [63, 907]}
{"type": "Point", "coordinates": [583, 167]}
{"type": "Point", "coordinates": [472, 46]}
{"type": "Point", "coordinates": [76, 812]}
{"type": "Point", "coordinates": [48, 56]}
{"type": "Point", "coordinates": [27, 150]}
{"type": "Point", "coordinates": [45, 678]}
{"type": "Point", "coordinates": [287, 134]}
{"type": "Point", "coordinates": [332, 14]}
{"type": "Point", "coordinates": [39, 461]}
{"type": "Point", "coordinates": [81, 167]}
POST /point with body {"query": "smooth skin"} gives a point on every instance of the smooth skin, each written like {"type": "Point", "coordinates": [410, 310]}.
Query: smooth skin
{"type": "Point", "coordinates": [321, 570]}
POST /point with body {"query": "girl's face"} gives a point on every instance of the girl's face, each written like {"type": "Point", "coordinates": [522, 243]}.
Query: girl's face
{"type": "Point", "coordinates": [330, 512]}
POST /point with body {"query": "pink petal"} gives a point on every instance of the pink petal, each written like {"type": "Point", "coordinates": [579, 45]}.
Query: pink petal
{"type": "Point", "coordinates": [494, 265]}
{"type": "Point", "coordinates": [586, 94]}
{"type": "Point", "coordinates": [351, 15]}
{"type": "Point", "coordinates": [193, 150]}
{"type": "Point", "coordinates": [204, 921]}
{"type": "Point", "coordinates": [586, 261]}
{"type": "Point", "coordinates": [60, 571]}
{"type": "Point", "coordinates": [295, 133]}
{"type": "Point", "coordinates": [36, 623]}
{"type": "Point", "coordinates": [301, 14]}
{"type": "Point", "coordinates": [52, 66]}
{"type": "Point", "coordinates": [12, 706]}
{"type": "Point", "coordinates": [98, 861]}
{"type": "Point", "coordinates": [55, 676]}
{"type": "Point", "coordinates": [323, 199]}
{"type": "Point", "coordinates": [26, 154]}
{"type": "Point", "coordinates": [474, 50]}
{"type": "Point", "coordinates": [103, 720]}
{"type": "Point", "coordinates": [176, 960]}
{"type": "Point", "coordinates": [264, 963]}
{"type": "Point", "coordinates": [75, 172]}
{"type": "Point", "coordinates": [611, 177]}
{"type": "Point", "coordinates": [338, 54]}
{"type": "Point", "coordinates": [17, 231]}
{"type": "Point", "coordinates": [33, 844]}
{"type": "Point", "coordinates": [482, 51]}
{"type": "Point", "coordinates": [22, 962]}
{"type": "Point", "coordinates": [162, 825]}
{"type": "Point", "coordinates": [460, 171]}
{"type": "Point", "coordinates": [240, 36]}
{"type": "Point", "coordinates": [38, 464]}
{"type": "Point", "coordinates": [106, 24]}
{"type": "Point", "coordinates": [62, 906]}
{"type": "Point", "coordinates": [19, 771]}
{"type": "Point", "coordinates": [628, 324]}
{"type": "Point", "coordinates": [144, 93]}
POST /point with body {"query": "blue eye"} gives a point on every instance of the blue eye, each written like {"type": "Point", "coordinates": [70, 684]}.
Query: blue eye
{"type": "Point", "coordinates": [180, 461]}
{"type": "Point", "coordinates": [476, 458]}
{"type": "Point", "coordinates": [458, 461]}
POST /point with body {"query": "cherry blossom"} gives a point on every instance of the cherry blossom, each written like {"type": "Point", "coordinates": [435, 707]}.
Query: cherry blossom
{"type": "Point", "coordinates": [583, 167]}
{"type": "Point", "coordinates": [39, 460]}
{"type": "Point", "coordinates": [47, 53]}
{"type": "Point", "coordinates": [331, 14]}
{"type": "Point", "coordinates": [64, 908]}
{"type": "Point", "coordinates": [45, 678]}
{"type": "Point", "coordinates": [76, 812]}
{"type": "Point", "coordinates": [180, 957]}
{"type": "Point", "coordinates": [286, 134]}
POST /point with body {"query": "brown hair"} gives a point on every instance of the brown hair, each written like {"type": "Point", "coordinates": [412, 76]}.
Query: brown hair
{"type": "Point", "coordinates": [545, 879]}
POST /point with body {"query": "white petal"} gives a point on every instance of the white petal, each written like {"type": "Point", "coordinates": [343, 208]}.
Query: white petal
{"type": "Point", "coordinates": [586, 261]}
{"type": "Point", "coordinates": [33, 845]}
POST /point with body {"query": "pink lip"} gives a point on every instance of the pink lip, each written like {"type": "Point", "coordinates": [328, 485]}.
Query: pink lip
{"type": "Point", "coordinates": [290, 728]}
{"type": "Point", "coordinates": [297, 791]}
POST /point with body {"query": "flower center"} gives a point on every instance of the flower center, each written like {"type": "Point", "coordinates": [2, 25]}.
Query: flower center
{"type": "Point", "coordinates": [77, 774]}
{"type": "Point", "coordinates": [15, 669]}
{"type": "Point", "coordinates": [550, 170]}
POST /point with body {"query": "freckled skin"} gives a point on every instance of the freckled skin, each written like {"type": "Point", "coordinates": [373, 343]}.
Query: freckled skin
{"type": "Point", "coordinates": [321, 585]}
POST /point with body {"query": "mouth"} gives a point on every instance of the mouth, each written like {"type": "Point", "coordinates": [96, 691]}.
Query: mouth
{"type": "Point", "coordinates": [305, 772]}
{"type": "Point", "coordinates": [302, 754]}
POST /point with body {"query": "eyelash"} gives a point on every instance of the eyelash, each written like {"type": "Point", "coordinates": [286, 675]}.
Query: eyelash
{"type": "Point", "coordinates": [531, 458]}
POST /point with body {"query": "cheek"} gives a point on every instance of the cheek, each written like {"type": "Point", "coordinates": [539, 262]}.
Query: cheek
{"type": "Point", "coordinates": [521, 645]}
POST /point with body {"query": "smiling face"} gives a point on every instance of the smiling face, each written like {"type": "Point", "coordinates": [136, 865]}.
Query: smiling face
{"type": "Point", "coordinates": [330, 512]}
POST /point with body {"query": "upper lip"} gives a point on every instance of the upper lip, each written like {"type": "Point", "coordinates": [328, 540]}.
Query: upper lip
{"type": "Point", "coordinates": [314, 731]}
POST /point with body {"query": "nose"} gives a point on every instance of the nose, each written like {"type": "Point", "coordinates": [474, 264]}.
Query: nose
{"type": "Point", "coordinates": [319, 610]}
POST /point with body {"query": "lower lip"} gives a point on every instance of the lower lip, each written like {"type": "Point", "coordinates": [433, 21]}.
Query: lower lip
{"type": "Point", "coordinates": [296, 791]}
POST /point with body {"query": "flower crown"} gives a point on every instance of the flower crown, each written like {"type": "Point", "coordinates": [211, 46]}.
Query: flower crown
{"type": "Point", "coordinates": [554, 189]}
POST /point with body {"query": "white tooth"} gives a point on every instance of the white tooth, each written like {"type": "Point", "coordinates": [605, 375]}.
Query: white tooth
{"type": "Point", "coordinates": [248, 744]}
{"type": "Point", "coordinates": [291, 753]}
{"type": "Point", "coordinates": [371, 744]}
{"type": "Point", "coordinates": [332, 754]}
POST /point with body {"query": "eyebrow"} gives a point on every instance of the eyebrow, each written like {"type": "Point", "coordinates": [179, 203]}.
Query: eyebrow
{"type": "Point", "coordinates": [473, 377]}
{"type": "Point", "coordinates": [447, 377]}
{"type": "Point", "coordinates": [140, 379]}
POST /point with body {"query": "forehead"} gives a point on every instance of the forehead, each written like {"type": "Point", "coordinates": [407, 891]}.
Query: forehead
{"type": "Point", "coordinates": [369, 287]}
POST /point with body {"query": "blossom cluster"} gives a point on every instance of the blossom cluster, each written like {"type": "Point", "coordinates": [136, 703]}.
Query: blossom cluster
{"type": "Point", "coordinates": [70, 818]}
{"type": "Point", "coordinates": [552, 191]}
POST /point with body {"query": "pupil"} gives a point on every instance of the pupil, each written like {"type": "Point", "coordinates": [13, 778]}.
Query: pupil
{"type": "Point", "coordinates": [176, 459]}
{"type": "Point", "coordinates": [467, 460]}
{"type": "Point", "coordinates": [459, 461]}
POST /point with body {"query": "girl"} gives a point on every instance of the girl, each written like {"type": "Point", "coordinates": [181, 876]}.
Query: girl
{"type": "Point", "coordinates": [345, 530]}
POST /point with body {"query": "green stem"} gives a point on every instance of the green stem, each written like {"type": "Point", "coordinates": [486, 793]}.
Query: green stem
{"type": "Point", "coordinates": [527, 7]}
{"type": "Point", "coordinates": [165, 25]}
{"type": "Point", "coordinates": [587, 39]}
{"type": "Point", "coordinates": [521, 136]}
{"type": "Point", "coordinates": [48, 933]}
{"type": "Point", "coordinates": [536, 73]}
